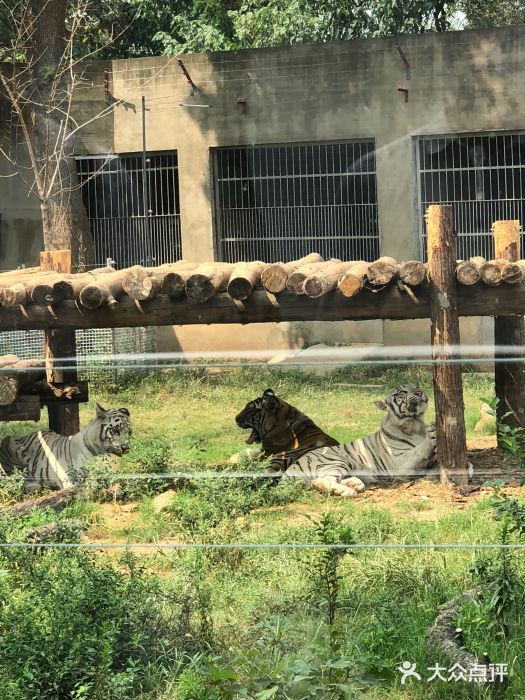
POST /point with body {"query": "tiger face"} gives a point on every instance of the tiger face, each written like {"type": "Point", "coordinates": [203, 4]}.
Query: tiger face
{"type": "Point", "coordinates": [115, 429]}
{"type": "Point", "coordinates": [405, 402]}
{"type": "Point", "coordinates": [260, 415]}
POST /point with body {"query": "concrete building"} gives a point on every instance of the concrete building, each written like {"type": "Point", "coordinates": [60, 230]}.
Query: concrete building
{"type": "Point", "coordinates": [335, 148]}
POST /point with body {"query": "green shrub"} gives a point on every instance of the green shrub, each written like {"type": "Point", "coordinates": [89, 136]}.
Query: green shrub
{"type": "Point", "coordinates": [75, 627]}
{"type": "Point", "coordinates": [208, 502]}
{"type": "Point", "coordinates": [147, 460]}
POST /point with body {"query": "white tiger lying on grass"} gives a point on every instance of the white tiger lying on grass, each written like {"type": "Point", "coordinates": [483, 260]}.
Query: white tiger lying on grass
{"type": "Point", "coordinates": [53, 461]}
{"type": "Point", "coordinates": [403, 447]}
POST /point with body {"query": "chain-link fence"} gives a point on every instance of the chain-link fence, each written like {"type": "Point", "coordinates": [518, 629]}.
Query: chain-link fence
{"type": "Point", "coordinates": [95, 350]}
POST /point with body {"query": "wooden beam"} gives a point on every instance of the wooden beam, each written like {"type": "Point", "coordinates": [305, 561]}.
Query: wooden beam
{"type": "Point", "coordinates": [60, 350]}
{"type": "Point", "coordinates": [451, 439]}
{"type": "Point", "coordinates": [263, 307]}
{"type": "Point", "coordinates": [22, 408]}
{"type": "Point", "coordinates": [509, 331]}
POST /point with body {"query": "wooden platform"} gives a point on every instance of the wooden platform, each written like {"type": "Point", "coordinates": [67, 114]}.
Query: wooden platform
{"type": "Point", "coordinates": [263, 307]}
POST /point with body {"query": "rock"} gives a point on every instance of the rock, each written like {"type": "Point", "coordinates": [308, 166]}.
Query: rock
{"type": "Point", "coordinates": [163, 500]}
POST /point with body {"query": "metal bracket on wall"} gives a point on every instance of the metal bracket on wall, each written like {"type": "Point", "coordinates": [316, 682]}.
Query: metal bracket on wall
{"type": "Point", "coordinates": [404, 59]}
{"type": "Point", "coordinates": [193, 87]}
{"type": "Point", "coordinates": [106, 85]}
{"type": "Point", "coordinates": [405, 90]}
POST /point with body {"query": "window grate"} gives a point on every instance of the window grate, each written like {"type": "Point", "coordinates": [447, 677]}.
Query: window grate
{"type": "Point", "coordinates": [120, 225]}
{"type": "Point", "coordinates": [276, 202]}
{"type": "Point", "coordinates": [483, 177]}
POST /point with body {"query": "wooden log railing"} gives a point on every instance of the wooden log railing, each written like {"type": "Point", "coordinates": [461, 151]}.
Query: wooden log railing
{"type": "Point", "coordinates": [262, 307]}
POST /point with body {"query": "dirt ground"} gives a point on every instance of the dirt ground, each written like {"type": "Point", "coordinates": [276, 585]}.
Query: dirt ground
{"type": "Point", "coordinates": [420, 500]}
{"type": "Point", "coordinates": [432, 500]}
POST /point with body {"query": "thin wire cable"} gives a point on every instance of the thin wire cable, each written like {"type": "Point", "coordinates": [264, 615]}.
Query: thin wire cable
{"type": "Point", "coordinates": [253, 545]}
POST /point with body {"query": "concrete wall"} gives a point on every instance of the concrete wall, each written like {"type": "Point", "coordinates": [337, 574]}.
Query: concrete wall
{"type": "Point", "coordinates": [460, 82]}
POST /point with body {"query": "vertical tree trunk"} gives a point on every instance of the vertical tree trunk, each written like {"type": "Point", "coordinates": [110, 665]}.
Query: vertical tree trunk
{"type": "Point", "coordinates": [60, 351]}
{"type": "Point", "coordinates": [64, 219]}
{"type": "Point", "coordinates": [509, 335]}
{"type": "Point", "coordinates": [451, 441]}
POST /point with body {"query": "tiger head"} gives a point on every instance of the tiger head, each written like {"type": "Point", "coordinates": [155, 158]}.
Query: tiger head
{"type": "Point", "coordinates": [114, 429]}
{"type": "Point", "coordinates": [261, 415]}
{"type": "Point", "coordinates": [280, 426]}
{"type": "Point", "coordinates": [405, 402]}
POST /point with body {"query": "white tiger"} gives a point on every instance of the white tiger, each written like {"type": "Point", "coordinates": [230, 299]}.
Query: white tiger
{"type": "Point", "coordinates": [403, 447]}
{"type": "Point", "coordinates": [54, 461]}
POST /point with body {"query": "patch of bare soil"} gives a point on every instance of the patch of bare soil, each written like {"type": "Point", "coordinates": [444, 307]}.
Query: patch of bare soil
{"type": "Point", "coordinates": [431, 500]}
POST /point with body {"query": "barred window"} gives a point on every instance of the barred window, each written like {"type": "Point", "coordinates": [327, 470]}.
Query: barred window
{"type": "Point", "coordinates": [482, 176]}
{"type": "Point", "coordinates": [277, 202]}
{"type": "Point", "coordinates": [121, 226]}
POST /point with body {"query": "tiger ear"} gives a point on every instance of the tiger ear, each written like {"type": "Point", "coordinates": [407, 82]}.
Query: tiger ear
{"type": "Point", "coordinates": [269, 400]}
{"type": "Point", "coordinates": [381, 404]}
{"type": "Point", "coordinates": [124, 411]}
{"type": "Point", "coordinates": [101, 412]}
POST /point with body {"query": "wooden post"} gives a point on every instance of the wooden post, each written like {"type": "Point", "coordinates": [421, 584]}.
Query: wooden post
{"type": "Point", "coordinates": [451, 441]}
{"type": "Point", "coordinates": [60, 345]}
{"type": "Point", "coordinates": [509, 332]}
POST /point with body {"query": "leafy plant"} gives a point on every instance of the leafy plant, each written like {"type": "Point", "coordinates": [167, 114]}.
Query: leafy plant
{"type": "Point", "coordinates": [324, 567]}
{"type": "Point", "coordinates": [75, 627]}
{"type": "Point", "coordinates": [499, 574]}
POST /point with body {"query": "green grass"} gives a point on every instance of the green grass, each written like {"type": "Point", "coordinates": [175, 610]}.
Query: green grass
{"type": "Point", "coordinates": [261, 626]}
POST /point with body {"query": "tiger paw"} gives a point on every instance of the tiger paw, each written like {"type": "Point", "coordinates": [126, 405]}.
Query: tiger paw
{"type": "Point", "coordinates": [329, 486]}
{"type": "Point", "coordinates": [353, 482]}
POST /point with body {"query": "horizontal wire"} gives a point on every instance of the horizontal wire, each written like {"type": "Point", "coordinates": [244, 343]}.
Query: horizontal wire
{"type": "Point", "coordinates": [255, 545]}
{"type": "Point", "coordinates": [290, 364]}
{"type": "Point", "coordinates": [387, 479]}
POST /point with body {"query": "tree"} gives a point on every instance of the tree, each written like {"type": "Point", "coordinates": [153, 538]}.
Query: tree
{"type": "Point", "coordinates": [489, 13]}
{"type": "Point", "coordinates": [38, 77]}
{"type": "Point", "coordinates": [151, 27]}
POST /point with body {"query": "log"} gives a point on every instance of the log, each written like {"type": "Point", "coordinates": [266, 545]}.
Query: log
{"type": "Point", "coordinates": [511, 273]}
{"type": "Point", "coordinates": [55, 532]}
{"type": "Point", "coordinates": [14, 295]}
{"type": "Point", "coordinates": [382, 271]}
{"type": "Point", "coordinates": [70, 286]}
{"type": "Point", "coordinates": [207, 280]}
{"type": "Point", "coordinates": [296, 280]}
{"type": "Point", "coordinates": [353, 281]}
{"type": "Point", "coordinates": [27, 280]}
{"type": "Point", "coordinates": [262, 307]}
{"type": "Point", "coordinates": [451, 439]}
{"type": "Point", "coordinates": [468, 272]}
{"type": "Point", "coordinates": [18, 272]}
{"type": "Point", "coordinates": [105, 290]}
{"type": "Point", "coordinates": [8, 360]}
{"type": "Point", "coordinates": [17, 377]}
{"type": "Point", "coordinates": [275, 275]}
{"type": "Point", "coordinates": [244, 278]}
{"type": "Point", "coordinates": [320, 283]}
{"type": "Point", "coordinates": [57, 501]}
{"type": "Point", "coordinates": [174, 280]}
{"type": "Point", "coordinates": [8, 389]}
{"type": "Point", "coordinates": [491, 272]}
{"type": "Point", "coordinates": [45, 293]}
{"type": "Point", "coordinates": [140, 284]}
{"type": "Point", "coordinates": [23, 408]}
{"type": "Point", "coordinates": [443, 637]}
{"type": "Point", "coordinates": [412, 272]}
{"type": "Point", "coordinates": [509, 332]}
